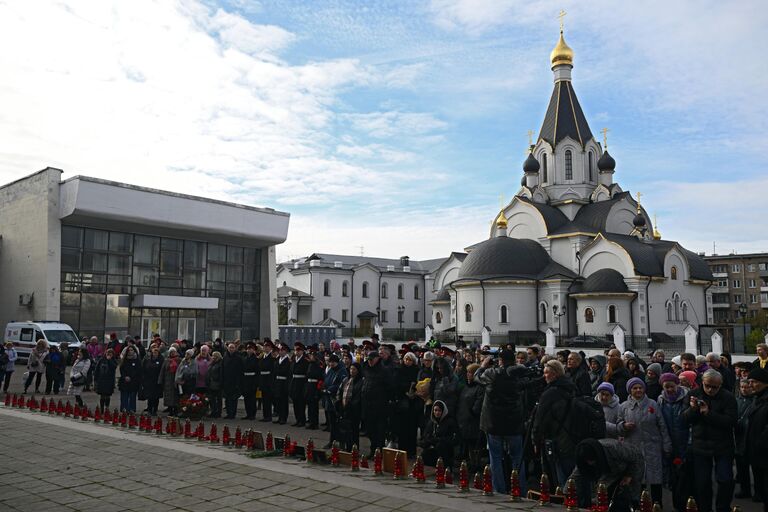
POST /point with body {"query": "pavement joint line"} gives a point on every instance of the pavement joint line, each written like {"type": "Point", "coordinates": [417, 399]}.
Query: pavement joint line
{"type": "Point", "coordinates": [374, 485]}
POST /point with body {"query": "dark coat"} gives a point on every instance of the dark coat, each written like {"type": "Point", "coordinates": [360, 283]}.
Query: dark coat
{"type": "Point", "coordinates": [250, 382]}
{"type": "Point", "coordinates": [232, 374]}
{"type": "Point", "coordinates": [744, 405]}
{"type": "Point", "coordinates": [214, 378]}
{"type": "Point", "coordinates": [104, 376]}
{"type": "Point", "coordinates": [440, 434]}
{"type": "Point", "coordinates": [150, 375]}
{"type": "Point", "coordinates": [712, 433]}
{"type": "Point", "coordinates": [331, 382]}
{"type": "Point", "coordinates": [354, 407]}
{"type": "Point", "coordinates": [580, 378]}
{"type": "Point", "coordinates": [757, 432]}
{"type": "Point", "coordinates": [130, 375]}
{"type": "Point", "coordinates": [446, 386]}
{"type": "Point", "coordinates": [502, 412]}
{"type": "Point", "coordinates": [619, 380]}
{"type": "Point", "coordinates": [375, 390]}
{"type": "Point", "coordinates": [470, 407]}
{"type": "Point", "coordinates": [552, 416]}
{"type": "Point", "coordinates": [672, 410]}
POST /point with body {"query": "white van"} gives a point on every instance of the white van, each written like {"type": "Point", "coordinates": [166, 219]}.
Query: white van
{"type": "Point", "coordinates": [24, 335]}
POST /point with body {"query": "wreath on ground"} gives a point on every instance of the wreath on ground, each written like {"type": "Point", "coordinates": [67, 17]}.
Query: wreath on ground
{"type": "Point", "coordinates": [194, 406]}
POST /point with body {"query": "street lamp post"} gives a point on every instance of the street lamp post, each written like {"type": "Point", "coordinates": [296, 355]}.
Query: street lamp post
{"type": "Point", "coordinates": [286, 303]}
{"type": "Point", "coordinates": [400, 315]}
{"type": "Point", "coordinates": [743, 312]}
{"type": "Point", "coordinates": [558, 315]}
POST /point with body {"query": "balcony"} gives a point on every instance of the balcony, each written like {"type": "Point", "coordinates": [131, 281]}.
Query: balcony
{"type": "Point", "coordinates": [722, 275]}
{"type": "Point", "coordinates": [718, 289]}
{"type": "Point", "coordinates": [721, 305]}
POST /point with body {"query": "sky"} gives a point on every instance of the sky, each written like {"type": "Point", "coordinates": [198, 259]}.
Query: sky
{"type": "Point", "coordinates": [391, 127]}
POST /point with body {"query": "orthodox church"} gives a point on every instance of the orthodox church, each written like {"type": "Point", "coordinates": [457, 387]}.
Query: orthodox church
{"type": "Point", "coordinates": [572, 251]}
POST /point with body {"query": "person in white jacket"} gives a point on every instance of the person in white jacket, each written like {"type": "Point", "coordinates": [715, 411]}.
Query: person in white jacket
{"type": "Point", "coordinates": [79, 374]}
{"type": "Point", "coordinates": [9, 366]}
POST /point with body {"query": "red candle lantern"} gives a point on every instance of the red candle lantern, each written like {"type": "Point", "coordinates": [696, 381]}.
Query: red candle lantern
{"type": "Point", "coordinates": [97, 415]}
{"type": "Point", "coordinates": [398, 475]}
{"type": "Point", "coordinates": [514, 485]}
{"type": "Point", "coordinates": [448, 477]}
{"type": "Point", "coordinates": [646, 505]}
{"type": "Point", "coordinates": [335, 454]}
{"type": "Point", "coordinates": [355, 464]}
{"type": "Point", "coordinates": [571, 502]}
{"type": "Point", "coordinates": [200, 432]}
{"type": "Point", "coordinates": [690, 505]}
{"type": "Point", "coordinates": [602, 498]}
{"type": "Point", "coordinates": [477, 482]}
{"type": "Point", "coordinates": [226, 437]}
{"type": "Point", "coordinates": [287, 446]}
{"type": "Point", "coordinates": [250, 439]}
{"type": "Point", "coordinates": [309, 451]}
{"type": "Point", "coordinates": [544, 490]}
{"type": "Point", "coordinates": [463, 477]}
{"type": "Point", "coordinates": [7, 399]}
{"type": "Point", "coordinates": [418, 470]}
{"type": "Point", "coordinates": [269, 443]}
{"type": "Point", "coordinates": [43, 405]}
{"type": "Point", "coordinates": [487, 483]}
{"type": "Point", "coordinates": [76, 412]}
{"type": "Point", "coordinates": [378, 462]}
{"type": "Point", "coordinates": [440, 474]}
{"type": "Point", "coordinates": [187, 429]}
{"type": "Point", "coordinates": [213, 435]}
{"type": "Point", "coordinates": [159, 426]}
{"type": "Point", "coordinates": [238, 438]}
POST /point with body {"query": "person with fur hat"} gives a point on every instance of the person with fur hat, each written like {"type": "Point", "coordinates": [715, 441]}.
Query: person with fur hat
{"type": "Point", "coordinates": [621, 466]}
{"type": "Point", "coordinates": [640, 423]}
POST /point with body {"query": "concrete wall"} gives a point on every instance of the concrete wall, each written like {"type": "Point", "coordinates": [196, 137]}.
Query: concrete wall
{"type": "Point", "coordinates": [30, 254]}
{"type": "Point", "coordinates": [268, 308]}
{"type": "Point", "coordinates": [600, 326]}
{"type": "Point", "coordinates": [519, 299]}
{"type": "Point", "coordinates": [410, 303]}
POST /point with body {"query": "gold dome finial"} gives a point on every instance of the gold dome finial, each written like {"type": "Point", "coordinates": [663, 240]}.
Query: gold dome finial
{"type": "Point", "coordinates": [562, 54]}
{"type": "Point", "coordinates": [656, 233]}
{"type": "Point", "coordinates": [501, 220]}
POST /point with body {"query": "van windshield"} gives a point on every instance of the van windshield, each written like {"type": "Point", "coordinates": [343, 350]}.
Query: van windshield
{"type": "Point", "coordinates": [58, 336]}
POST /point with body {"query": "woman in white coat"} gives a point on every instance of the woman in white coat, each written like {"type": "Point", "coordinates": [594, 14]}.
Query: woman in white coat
{"type": "Point", "coordinates": [78, 376]}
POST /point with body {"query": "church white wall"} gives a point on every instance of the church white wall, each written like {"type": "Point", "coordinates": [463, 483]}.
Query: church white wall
{"type": "Point", "coordinates": [409, 301]}
{"type": "Point", "coordinates": [369, 303]}
{"type": "Point", "coordinates": [335, 302]}
{"type": "Point", "coordinates": [563, 252]}
{"type": "Point", "coordinates": [524, 223]}
{"type": "Point", "coordinates": [521, 307]}
{"type": "Point", "coordinates": [600, 325]}
{"type": "Point", "coordinates": [661, 292]}
{"type": "Point", "coordinates": [605, 256]}
{"type": "Point", "coordinates": [445, 311]}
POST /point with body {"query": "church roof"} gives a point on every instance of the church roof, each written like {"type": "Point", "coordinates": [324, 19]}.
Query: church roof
{"type": "Point", "coordinates": [606, 280]}
{"type": "Point", "coordinates": [510, 257]}
{"type": "Point", "coordinates": [591, 218]}
{"type": "Point", "coordinates": [443, 295]}
{"type": "Point", "coordinates": [648, 256]}
{"type": "Point", "coordinates": [564, 117]}
{"type": "Point", "coordinates": [552, 216]}
{"type": "Point", "coordinates": [328, 260]}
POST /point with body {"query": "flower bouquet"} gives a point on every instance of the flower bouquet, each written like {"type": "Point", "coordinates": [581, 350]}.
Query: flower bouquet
{"type": "Point", "coordinates": [194, 407]}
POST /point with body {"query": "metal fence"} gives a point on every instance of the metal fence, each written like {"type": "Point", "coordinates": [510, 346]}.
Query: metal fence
{"type": "Point", "coordinates": [307, 334]}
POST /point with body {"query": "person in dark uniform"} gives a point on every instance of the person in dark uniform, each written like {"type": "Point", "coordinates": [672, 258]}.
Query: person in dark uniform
{"type": "Point", "coordinates": [315, 375]}
{"type": "Point", "coordinates": [299, 384]}
{"type": "Point", "coordinates": [250, 381]}
{"type": "Point", "coordinates": [232, 376]}
{"type": "Point", "coordinates": [267, 365]}
{"type": "Point", "coordinates": [282, 374]}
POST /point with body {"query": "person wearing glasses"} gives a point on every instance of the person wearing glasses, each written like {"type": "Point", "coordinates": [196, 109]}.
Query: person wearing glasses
{"type": "Point", "coordinates": [712, 414]}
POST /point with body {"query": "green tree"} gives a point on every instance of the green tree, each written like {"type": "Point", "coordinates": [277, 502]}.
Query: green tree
{"type": "Point", "coordinates": [757, 335]}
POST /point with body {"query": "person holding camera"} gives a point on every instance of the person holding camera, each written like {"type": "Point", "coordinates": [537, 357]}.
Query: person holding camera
{"type": "Point", "coordinates": [712, 415]}
{"type": "Point", "coordinates": [502, 415]}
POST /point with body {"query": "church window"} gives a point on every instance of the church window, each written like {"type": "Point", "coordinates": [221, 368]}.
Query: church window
{"type": "Point", "coordinates": [611, 314]}
{"type": "Point", "coordinates": [400, 291]}
{"type": "Point", "coordinates": [503, 314]}
{"type": "Point", "coordinates": [345, 289]}
{"type": "Point", "coordinates": [438, 317]}
{"type": "Point", "coordinates": [468, 313]}
{"type": "Point", "coordinates": [383, 290]}
{"type": "Point", "coordinates": [669, 311]}
{"type": "Point", "coordinates": [327, 288]}
{"type": "Point", "coordinates": [676, 300]}
{"type": "Point", "coordinates": [416, 292]}
{"type": "Point", "coordinates": [568, 165]}
{"type": "Point", "coordinates": [673, 273]}
{"type": "Point", "coordinates": [589, 315]}
{"type": "Point", "coordinates": [544, 168]}
{"type": "Point", "coordinates": [685, 312]}
{"type": "Point", "coordinates": [365, 289]}
{"type": "Point", "coordinates": [591, 166]}
{"type": "Point", "coordinates": [543, 313]}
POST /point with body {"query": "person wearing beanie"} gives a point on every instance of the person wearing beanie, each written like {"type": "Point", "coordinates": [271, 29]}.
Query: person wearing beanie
{"type": "Point", "coordinates": [652, 384]}
{"type": "Point", "coordinates": [688, 380]}
{"type": "Point", "coordinates": [672, 402]}
{"type": "Point", "coordinates": [677, 364]}
{"type": "Point", "coordinates": [606, 395]}
{"type": "Point", "coordinates": [641, 423]}
{"type": "Point", "coordinates": [757, 432]}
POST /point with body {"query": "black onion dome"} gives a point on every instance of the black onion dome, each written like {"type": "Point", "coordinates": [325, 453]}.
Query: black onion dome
{"type": "Point", "coordinates": [606, 162]}
{"type": "Point", "coordinates": [639, 221]}
{"type": "Point", "coordinates": [531, 165]}
{"type": "Point", "coordinates": [505, 257]}
{"type": "Point", "coordinates": [606, 280]}
{"type": "Point", "coordinates": [523, 181]}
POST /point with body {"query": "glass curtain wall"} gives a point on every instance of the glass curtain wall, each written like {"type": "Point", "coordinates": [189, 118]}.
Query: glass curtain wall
{"type": "Point", "coordinates": [102, 270]}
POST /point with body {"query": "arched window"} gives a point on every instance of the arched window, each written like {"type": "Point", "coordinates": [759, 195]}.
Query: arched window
{"type": "Point", "coordinates": [543, 313]}
{"type": "Point", "coordinates": [673, 273]}
{"type": "Point", "coordinates": [685, 312]}
{"type": "Point", "coordinates": [669, 311]}
{"type": "Point", "coordinates": [345, 289]}
{"type": "Point", "coordinates": [611, 314]}
{"type": "Point", "coordinates": [416, 292]}
{"type": "Point", "coordinates": [365, 289]}
{"type": "Point", "coordinates": [568, 164]}
{"type": "Point", "coordinates": [676, 300]}
{"type": "Point", "coordinates": [589, 315]}
{"type": "Point", "coordinates": [544, 167]}
{"type": "Point", "coordinates": [383, 290]}
{"type": "Point", "coordinates": [400, 291]}
{"type": "Point", "coordinates": [327, 288]}
{"type": "Point", "coordinates": [591, 166]}
{"type": "Point", "coordinates": [503, 314]}
{"type": "Point", "coordinates": [468, 313]}
{"type": "Point", "coordinates": [438, 317]}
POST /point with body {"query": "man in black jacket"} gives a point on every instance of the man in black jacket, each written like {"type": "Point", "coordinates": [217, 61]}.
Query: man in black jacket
{"type": "Point", "coordinates": [232, 376]}
{"type": "Point", "coordinates": [712, 414]}
{"type": "Point", "coordinates": [375, 394]}
{"type": "Point", "coordinates": [757, 433]}
{"type": "Point", "coordinates": [250, 381]}
{"type": "Point", "coordinates": [502, 415]}
{"type": "Point", "coordinates": [267, 365]}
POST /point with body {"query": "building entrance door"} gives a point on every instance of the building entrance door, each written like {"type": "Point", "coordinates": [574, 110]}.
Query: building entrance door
{"type": "Point", "coordinates": [150, 327]}
{"type": "Point", "coordinates": [187, 328]}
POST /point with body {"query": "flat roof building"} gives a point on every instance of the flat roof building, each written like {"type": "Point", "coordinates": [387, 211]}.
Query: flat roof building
{"type": "Point", "coordinates": [110, 257]}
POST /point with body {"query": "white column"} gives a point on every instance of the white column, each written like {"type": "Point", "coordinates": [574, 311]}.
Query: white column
{"type": "Point", "coordinates": [551, 342]}
{"type": "Point", "coordinates": [618, 338]}
{"type": "Point", "coordinates": [485, 336]}
{"type": "Point", "coordinates": [690, 339]}
{"type": "Point", "coordinates": [717, 342]}
{"type": "Point", "coordinates": [379, 330]}
{"type": "Point", "coordinates": [427, 333]}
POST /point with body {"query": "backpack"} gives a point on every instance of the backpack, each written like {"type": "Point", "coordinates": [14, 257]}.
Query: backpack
{"type": "Point", "coordinates": [587, 419]}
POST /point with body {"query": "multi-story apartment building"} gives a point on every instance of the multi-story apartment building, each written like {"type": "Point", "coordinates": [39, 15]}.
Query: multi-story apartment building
{"type": "Point", "coordinates": [739, 279]}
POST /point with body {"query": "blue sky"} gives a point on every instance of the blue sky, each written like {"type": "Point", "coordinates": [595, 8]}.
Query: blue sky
{"type": "Point", "coordinates": [392, 126]}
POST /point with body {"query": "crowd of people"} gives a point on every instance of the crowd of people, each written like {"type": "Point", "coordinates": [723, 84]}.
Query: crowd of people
{"type": "Point", "coordinates": [678, 424]}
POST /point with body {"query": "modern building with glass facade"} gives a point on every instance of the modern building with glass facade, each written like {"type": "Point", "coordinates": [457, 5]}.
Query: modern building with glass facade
{"type": "Point", "coordinates": [109, 257]}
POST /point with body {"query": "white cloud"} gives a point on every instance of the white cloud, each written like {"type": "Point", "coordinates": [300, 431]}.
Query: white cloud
{"type": "Point", "coordinates": [396, 124]}
{"type": "Point", "coordinates": [237, 32]}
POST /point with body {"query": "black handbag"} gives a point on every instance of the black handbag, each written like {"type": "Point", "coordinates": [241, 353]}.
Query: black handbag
{"type": "Point", "coordinates": [77, 381]}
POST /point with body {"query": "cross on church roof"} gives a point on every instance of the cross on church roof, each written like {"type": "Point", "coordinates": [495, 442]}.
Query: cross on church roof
{"type": "Point", "coordinates": [561, 16]}
{"type": "Point", "coordinates": [605, 131]}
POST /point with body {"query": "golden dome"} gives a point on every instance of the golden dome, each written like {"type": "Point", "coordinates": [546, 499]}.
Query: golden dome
{"type": "Point", "coordinates": [501, 220]}
{"type": "Point", "coordinates": [656, 233]}
{"type": "Point", "coordinates": [562, 54]}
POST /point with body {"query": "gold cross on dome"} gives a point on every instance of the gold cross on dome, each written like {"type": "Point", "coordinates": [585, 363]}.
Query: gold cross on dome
{"type": "Point", "coordinates": [605, 131]}
{"type": "Point", "coordinates": [561, 16]}
{"type": "Point", "coordinates": [530, 138]}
